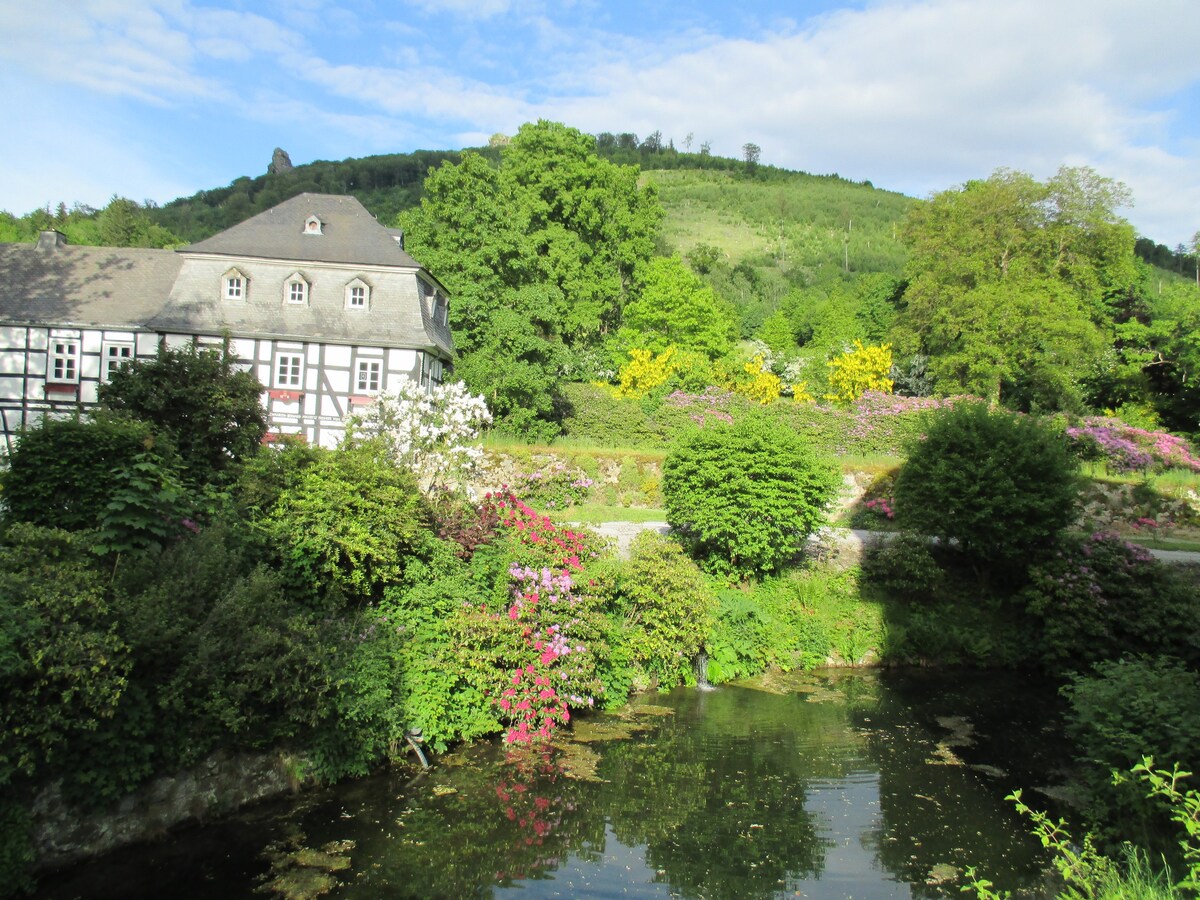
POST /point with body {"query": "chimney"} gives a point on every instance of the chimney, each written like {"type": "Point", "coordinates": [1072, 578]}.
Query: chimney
{"type": "Point", "coordinates": [49, 241]}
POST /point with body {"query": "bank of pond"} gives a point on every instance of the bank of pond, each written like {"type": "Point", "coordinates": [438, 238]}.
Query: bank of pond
{"type": "Point", "coordinates": [838, 783]}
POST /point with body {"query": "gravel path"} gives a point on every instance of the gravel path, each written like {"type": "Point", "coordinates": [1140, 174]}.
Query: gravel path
{"type": "Point", "coordinates": [841, 543]}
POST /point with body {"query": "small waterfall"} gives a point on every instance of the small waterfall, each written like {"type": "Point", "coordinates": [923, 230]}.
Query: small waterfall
{"type": "Point", "coordinates": [701, 666]}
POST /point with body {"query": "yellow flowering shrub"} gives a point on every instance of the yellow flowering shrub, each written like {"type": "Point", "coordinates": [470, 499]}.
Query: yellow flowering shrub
{"type": "Point", "coordinates": [860, 370]}
{"type": "Point", "coordinates": [762, 385]}
{"type": "Point", "coordinates": [645, 372]}
{"type": "Point", "coordinates": [800, 393]}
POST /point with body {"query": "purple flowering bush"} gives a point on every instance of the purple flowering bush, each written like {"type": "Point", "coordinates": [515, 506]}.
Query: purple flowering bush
{"type": "Point", "coordinates": [1124, 448]}
{"type": "Point", "coordinates": [1102, 597]}
{"type": "Point", "coordinates": [876, 423]}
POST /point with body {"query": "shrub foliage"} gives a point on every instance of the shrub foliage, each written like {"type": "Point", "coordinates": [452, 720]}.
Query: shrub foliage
{"type": "Point", "coordinates": [210, 408]}
{"type": "Point", "coordinates": [744, 497]}
{"type": "Point", "coordinates": [999, 484]}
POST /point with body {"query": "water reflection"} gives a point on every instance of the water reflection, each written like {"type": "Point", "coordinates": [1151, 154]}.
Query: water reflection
{"type": "Point", "coordinates": [836, 785]}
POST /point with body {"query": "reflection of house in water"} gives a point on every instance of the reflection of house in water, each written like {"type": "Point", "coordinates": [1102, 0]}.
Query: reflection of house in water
{"type": "Point", "coordinates": [318, 299]}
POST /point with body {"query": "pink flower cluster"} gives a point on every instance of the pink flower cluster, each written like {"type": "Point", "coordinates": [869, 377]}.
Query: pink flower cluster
{"type": "Point", "coordinates": [713, 398]}
{"type": "Point", "coordinates": [538, 693]}
{"type": "Point", "coordinates": [881, 506]}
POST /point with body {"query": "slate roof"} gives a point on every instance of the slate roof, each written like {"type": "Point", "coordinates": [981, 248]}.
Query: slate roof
{"type": "Point", "coordinates": [350, 234]}
{"type": "Point", "coordinates": [174, 291]}
{"type": "Point", "coordinates": [393, 320]}
{"type": "Point", "coordinates": [84, 286]}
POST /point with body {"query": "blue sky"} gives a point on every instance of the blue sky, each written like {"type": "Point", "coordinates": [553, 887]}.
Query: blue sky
{"type": "Point", "coordinates": [154, 99]}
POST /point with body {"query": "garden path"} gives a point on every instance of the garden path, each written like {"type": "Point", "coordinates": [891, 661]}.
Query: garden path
{"type": "Point", "coordinates": [839, 543]}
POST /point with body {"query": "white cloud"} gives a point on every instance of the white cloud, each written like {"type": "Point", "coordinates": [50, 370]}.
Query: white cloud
{"type": "Point", "coordinates": [118, 48]}
{"type": "Point", "coordinates": [418, 91]}
{"type": "Point", "coordinates": [918, 96]}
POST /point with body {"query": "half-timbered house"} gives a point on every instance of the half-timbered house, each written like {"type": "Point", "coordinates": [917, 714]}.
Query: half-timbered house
{"type": "Point", "coordinates": [315, 296]}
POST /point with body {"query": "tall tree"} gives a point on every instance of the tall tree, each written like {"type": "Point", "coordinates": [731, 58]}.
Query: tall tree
{"type": "Point", "coordinates": [551, 220]}
{"type": "Point", "coordinates": [1012, 283]}
{"type": "Point", "coordinates": [590, 221]}
{"type": "Point", "coordinates": [751, 153]}
{"type": "Point", "coordinates": [677, 308]}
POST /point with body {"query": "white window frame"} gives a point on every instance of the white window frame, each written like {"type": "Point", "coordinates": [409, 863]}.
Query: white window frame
{"type": "Point", "coordinates": [62, 364]}
{"type": "Point", "coordinates": [289, 371]}
{"type": "Point", "coordinates": [112, 355]}
{"type": "Point", "coordinates": [235, 287]}
{"type": "Point", "coordinates": [313, 225]}
{"type": "Point", "coordinates": [296, 290]}
{"type": "Point", "coordinates": [358, 291]}
{"type": "Point", "coordinates": [368, 377]}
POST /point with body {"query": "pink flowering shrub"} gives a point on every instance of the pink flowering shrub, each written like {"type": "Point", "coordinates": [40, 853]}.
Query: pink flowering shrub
{"type": "Point", "coordinates": [881, 506]}
{"type": "Point", "coordinates": [876, 508]}
{"type": "Point", "coordinates": [1124, 448]}
{"type": "Point", "coordinates": [536, 795]}
{"type": "Point", "coordinates": [536, 640]}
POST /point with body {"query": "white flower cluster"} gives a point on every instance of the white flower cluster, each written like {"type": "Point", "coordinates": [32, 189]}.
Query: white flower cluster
{"type": "Point", "coordinates": [428, 431]}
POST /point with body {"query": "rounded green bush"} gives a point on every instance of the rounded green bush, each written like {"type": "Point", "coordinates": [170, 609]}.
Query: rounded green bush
{"type": "Point", "coordinates": [1001, 485]}
{"type": "Point", "coordinates": [744, 497]}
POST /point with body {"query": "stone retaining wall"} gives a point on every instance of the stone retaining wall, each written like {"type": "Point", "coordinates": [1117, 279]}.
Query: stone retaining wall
{"type": "Point", "coordinates": [220, 784]}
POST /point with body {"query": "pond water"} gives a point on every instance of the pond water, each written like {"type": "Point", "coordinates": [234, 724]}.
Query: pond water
{"type": "Point", "coordinates": [835, 784]}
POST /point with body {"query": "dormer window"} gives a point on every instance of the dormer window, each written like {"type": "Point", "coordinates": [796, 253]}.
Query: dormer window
{"type": "Point", "coordinates": [358, 294]}
{"type": "Point", "coordinates": [313, 225]}
{"type": "Point", "coordinates": [235, 285]}
{"type": "Point", "coordinates": [295, 290]}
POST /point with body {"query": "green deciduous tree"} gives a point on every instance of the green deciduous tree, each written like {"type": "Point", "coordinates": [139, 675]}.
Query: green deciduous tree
{"type": "Point", "coordinates": [675, 307]}
{"type": "Point", "coordinates": [539, 250]}
{"type": "Point", "coordinates": [777, 333]}
{"type": "Point", "coordinates": [1030, 342]}
{"type": "Point", "coordinates": [1158, 351]}
{"type": "Point", "coordinates": [1011, 282]}
{"type": "Point", "coordinates": [124, 223]}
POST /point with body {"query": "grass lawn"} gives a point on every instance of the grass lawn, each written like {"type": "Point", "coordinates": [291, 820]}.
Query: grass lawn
{"type": "Point", "coordinates": [1164, 541]}
{"type": "Point", "coordinates": [592, 514]}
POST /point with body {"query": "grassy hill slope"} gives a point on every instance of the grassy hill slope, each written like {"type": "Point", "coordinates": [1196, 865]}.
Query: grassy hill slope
{"type": "Point", "coordinates": [797, 224]}
{"type": "Point", "coordinates": [803, 225]}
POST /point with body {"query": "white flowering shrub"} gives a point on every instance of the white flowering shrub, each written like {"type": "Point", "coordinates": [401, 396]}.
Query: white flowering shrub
{"type": "Point", "coordinates": [428, 432]}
